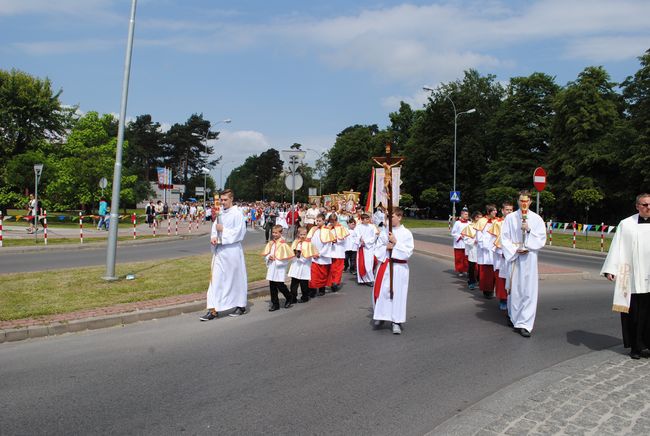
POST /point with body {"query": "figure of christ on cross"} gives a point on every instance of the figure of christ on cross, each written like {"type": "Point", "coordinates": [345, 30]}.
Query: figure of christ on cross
{"type": "Point", "coordinates": [388, 162]}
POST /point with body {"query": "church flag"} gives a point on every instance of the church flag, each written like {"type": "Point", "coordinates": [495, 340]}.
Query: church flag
{"type": "Point", "coordinates": [371, 193]}
{"type": "Point", "coordinates": [380, 195]}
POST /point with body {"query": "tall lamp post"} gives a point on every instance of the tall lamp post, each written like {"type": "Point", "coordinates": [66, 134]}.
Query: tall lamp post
{"type": "Point", "coordinates": [456, 115]}
{"type": "Point", "coordinates": [221, 173]}
{"type": "Point", "coordinates": [38, 169]}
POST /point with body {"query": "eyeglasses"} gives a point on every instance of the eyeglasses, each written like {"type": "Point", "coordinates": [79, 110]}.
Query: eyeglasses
{"type": "Point", "coordinates": [644, 204]}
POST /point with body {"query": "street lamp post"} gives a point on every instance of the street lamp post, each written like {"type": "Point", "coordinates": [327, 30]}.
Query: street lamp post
{"type": "Point", "coordinates": [221, 173]}
{"type": "Point", "coordinates": [456, 115]}
{"type": "Point", "coordinates": [38, 169]}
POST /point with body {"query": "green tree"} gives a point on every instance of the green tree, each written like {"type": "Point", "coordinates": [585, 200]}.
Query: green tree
{"type": "Point", "coordinates": [521, 128]}
{"type": "Point", "coordinates": [145, 151]}
{"type": "Point", "coordinates": [406, 199]}
{"type": "Point", "coordinates": [185, 147]}
{"type": "Point", "coordinates": [588, 141]}
{"type": "Point", "coordinates": [636, 91]}
{"type": "Point", "coordinates": [500, 194]}
{"type": "Point", "coordinates": [30, 114]}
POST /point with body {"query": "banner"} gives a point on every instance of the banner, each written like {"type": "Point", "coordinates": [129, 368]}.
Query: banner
{"type": "Point", "coordinates": [370, 206]}
{"type": "Point", "coordinates": [380, 195]}
{"type": "Point", "coordinates": [162, 174]}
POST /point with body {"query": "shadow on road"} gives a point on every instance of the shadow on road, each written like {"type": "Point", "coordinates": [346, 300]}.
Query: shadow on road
{"type": "Point", "coordinates": [593, 341]}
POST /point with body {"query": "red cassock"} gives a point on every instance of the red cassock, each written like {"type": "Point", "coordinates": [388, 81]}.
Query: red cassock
{"type": "Point", "coordinates": [486, 278]}
{"type": "Point", "coordinates": [501, 292]}
{"type": "Point", "coordinates": [461, 263]}
{"type": "Point", "coordinates": [336, 271]}
{"type": "Point", "coordinates": [319, 275]}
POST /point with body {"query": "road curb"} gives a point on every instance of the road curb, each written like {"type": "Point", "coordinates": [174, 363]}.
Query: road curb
{"type": "Point", "coordinates": [255, 290]}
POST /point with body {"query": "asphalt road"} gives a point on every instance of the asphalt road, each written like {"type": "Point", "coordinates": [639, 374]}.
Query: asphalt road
{"type": "Point", "coordinates": [56, 258]}
{"type": "Point", "coordinates": [546, 255]}
{"type": "Point", "coordinates": [317, 368]}
{"type": "Point", "coordinates": [68, 257]}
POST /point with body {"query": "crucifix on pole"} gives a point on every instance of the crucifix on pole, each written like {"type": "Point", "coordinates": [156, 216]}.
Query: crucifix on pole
{"type": "Point", "coordinates": [387, 162]}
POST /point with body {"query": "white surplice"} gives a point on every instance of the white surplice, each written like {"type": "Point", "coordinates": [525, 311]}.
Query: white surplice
{"type": "Point", "coordinates": [458, 227]}
{"type": "Point", "coordinates": [367, 238]}
{"type": "Point", "coordinates": [386, 309]}
{"type": "Point", "coordinates": [629, 260]}
{"type": "Point", "coordinates": [276, 269]}
{"type": "Point", "coordinates": [300, 266]}
{"type": "Point", "coordinates": [524, 279]}
{"type": "Point", "coordinates": [228, 280]}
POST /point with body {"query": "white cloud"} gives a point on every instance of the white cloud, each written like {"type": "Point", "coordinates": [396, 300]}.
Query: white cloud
{"type": "Point", "coordinates": [608, 48]}
{"type": "Point", "coordinates": [62, 47]}
{"type": "Point", "coordinates": [89, 9]}
{"type": "Point", "coordinates": [416, 101]}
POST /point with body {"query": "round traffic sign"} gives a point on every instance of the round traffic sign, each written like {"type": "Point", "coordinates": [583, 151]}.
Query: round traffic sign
{"type": "Point", "coordinates": [103, 183]}
{"type": "Point", "coordinates": [297, 182]}
{"type": "Point", "coordinates": [539, 179]}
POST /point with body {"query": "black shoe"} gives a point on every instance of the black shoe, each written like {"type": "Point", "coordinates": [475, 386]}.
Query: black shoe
{"type": "Point", "coordinates": [294, 300]}
{"type": "Point", "coordinates": [304, 300]}
{"type": "Point", "coordinates": [488, 295]}
{"type": "Point", "coordinates": [525, 333]}
{"type": "Point", "coordinates": [510, 324]}
{"type": "Point", "coordinates": [208, 316]}
{"type": "Point", "coordinates": [312, 294]}
{"type": "Point", "coordinates": [377, 323]}
{"type": "Point", "coordinates": [288, 304]}
{"type": "Point", "coordinates": [238, 311]}
{"type": "Point", "coordinates": [274, 308]}
{"type": "Point", "coordinates": [335, 287]}
{"type": "Point", "coordinates": [635, 355]}
{"type": "Point", "coordinates": [321, 292]}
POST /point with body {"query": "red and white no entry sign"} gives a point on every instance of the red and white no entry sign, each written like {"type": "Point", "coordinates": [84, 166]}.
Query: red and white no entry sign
{"type": "Point", "coordinates": [539, 179]}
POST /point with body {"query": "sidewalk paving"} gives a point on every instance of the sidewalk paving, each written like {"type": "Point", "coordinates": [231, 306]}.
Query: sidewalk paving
{"type": "Point", "coordinates": [599, 393]}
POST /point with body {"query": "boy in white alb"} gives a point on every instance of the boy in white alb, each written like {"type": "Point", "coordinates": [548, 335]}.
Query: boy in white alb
{"type": "Point", "coordinates": [277, 254]}
{"type": "Point", "coordinates": [300, 270]}
{"type": "Point", "coordinates": [396, 248]}
{"type": "Point", "coordinates": [351, 247]}
{"type": "Point", "coordinates": [367, 233]}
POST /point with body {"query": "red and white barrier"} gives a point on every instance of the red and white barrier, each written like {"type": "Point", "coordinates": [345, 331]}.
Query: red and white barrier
{"type": "Point", "coordinates": [449, 223]}
{"type": "Point", "coordinates": [133, 219]}
{"type": "Point", "coordinates": [81, 228]}
{"type": "Point", "coordinates": [169, 226]}
{"type": "Point", "coordinates": [155, 224]}
{"type": "Point", "coordinates": [574, 234]}
{"type": "Point", "coordinates": [0, 229]}
{"type": "Point", "coordinates": [602, 237]}
{"type": "Point", "coordinates": [45, 227]}
{"type": "Point", "coordinates": [176, 229]}
{"type": "Point", "coordinates": [550, 232]}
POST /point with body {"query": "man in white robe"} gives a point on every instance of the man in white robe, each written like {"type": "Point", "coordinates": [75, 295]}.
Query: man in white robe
{"type": "Point", "coordinates": [401, 242]}
{"type": "Point", "coordinates": [628, 264]}
{"type": "Point", "coordinates": [523, 234]}
{"type": "Point", "coordinates": [228, 280]}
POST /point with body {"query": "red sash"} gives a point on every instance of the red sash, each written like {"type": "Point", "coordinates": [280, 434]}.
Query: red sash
{"type": "Point", "coordinates": [379, 279]}
{"type": "Point", "coordinates": [362, 263]}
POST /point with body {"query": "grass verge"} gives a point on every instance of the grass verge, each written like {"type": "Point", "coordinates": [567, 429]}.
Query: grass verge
{"type": "Point", "coordinates": [583, 242]}
{"type": "Point", "coordinates": [413, 223]}
{"type": "Point", "coordinates": [26, 295]}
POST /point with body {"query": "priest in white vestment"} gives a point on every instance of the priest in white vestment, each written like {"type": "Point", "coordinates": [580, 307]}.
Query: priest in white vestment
{"type": "Point", "coordinates": [228, 280]}
{"type": "Point", "coordinates": [401, 242]}
{"type": "Point", "coordinates": [628, 264]}
{"type": "Point", "coordinates": [520, 241]}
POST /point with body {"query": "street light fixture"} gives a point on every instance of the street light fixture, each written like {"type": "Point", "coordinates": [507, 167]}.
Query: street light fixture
{"type": "Point", "coordinates": [38, 169]}
{"type": "Point", "coordinates": [456, 115]}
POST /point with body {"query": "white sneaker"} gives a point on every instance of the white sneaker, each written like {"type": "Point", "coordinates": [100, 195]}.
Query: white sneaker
{"type": "Point", "coordinates": [397, 330]}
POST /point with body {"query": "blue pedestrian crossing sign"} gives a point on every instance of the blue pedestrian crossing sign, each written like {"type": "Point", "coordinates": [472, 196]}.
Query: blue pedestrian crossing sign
{"type": "Point", "coordinates": [454, 196]}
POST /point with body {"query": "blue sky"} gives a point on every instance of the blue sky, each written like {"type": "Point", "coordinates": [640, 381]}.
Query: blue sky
{"type": "Point", "coordinates": [290, 71]}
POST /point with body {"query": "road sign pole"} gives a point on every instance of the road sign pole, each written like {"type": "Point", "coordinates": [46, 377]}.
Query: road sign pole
{"type": "Point", "coordinates": [537, 203]}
